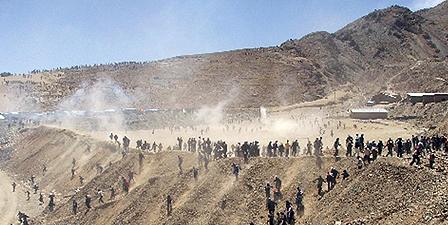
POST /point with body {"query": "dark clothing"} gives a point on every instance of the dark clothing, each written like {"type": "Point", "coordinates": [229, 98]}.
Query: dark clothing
{"type": "Point", "coordinates": [88, 201]}
{"type": "Point", "coordinates": [329, 182]}
{"type": "Point", "coordinates": [271, 206]}
{"type": "Point", "coordinates": [278, 183]}
{"type": "Point", "coordinates": [349, 149]}
{"type": "Point", "coordinates": [380, 147]}
{"type": "Point", "coordinates": [345, 175]}
{"type": "Point", "coordinates": [267, 191]}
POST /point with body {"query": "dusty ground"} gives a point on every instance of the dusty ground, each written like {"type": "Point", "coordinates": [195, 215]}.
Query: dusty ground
{"type": "Point", "coordinates": [217, 198]}
{"type": "Point", "coordinates": [158, 176]}
{"type": "Point", "coordinates": [11, 203]}
{"type": "Point", "coordinates": [281, 129]}
{"type": "Point", "coordinates": [302, 122]}
{"type": "Point", "coordinates": [55, 147]}
{"type": "Point", "coordinates": [8, 201]}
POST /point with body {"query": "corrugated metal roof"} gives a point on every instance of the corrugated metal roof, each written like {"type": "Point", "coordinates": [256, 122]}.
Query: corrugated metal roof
{"type": "Point", "coordinates": [369, 110]}
{"type": "Point", "coordinates": [386, 94]}
{"type": "Point", "coordinates": [424, 94]}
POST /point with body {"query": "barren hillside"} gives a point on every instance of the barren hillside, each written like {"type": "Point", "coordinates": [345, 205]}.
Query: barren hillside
{"type": "Point", "coordinates": [55, 149]}
{"type": "Point", "coordinates": [383, 193]}
{"type": "Point", "coordinates": [366, 52]}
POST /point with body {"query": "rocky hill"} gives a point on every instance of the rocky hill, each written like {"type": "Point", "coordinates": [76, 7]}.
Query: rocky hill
{"type": "Point", "coordinates": [369, 52]}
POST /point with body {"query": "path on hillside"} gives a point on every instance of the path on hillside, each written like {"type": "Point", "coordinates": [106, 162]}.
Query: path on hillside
{"type": "Point", "coordinates": [8, 200]}
{"type": "Point", "coordinates": [390, 80]}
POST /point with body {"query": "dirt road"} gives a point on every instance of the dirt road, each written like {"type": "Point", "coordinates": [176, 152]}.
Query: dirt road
{"type": "Point", "coordinates": [8, 200]}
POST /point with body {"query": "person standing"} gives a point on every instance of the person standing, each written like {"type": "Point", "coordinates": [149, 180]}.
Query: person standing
{"type": "Point", "coordinates": [74, 206]}
{"type": "Point", "coordinates": [88, 201]}
{"type": "Point", "coordinates": [169, 205]}
{"type": "Point", "coordinates": [336, 147]}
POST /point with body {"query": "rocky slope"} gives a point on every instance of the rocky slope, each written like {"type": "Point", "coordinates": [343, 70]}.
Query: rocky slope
{"type": "Point", "coordinates": [385, 192]}
{"type": "Point", "coordinates": [55, 149]}
{"type": "Point", "coordinates": [368, 52]}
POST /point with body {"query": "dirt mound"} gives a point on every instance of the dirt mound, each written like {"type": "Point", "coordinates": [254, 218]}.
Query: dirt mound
{"type": "Point", "coordinates": [382, 194]}
{"type": "Point", "coordinates": [55, 149]}
{"type": "Point", "coordinates": [216, 198]}
{"type": "Point", "coordinates": [387, 191]}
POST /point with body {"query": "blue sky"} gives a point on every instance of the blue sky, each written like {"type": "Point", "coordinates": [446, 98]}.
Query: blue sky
{"type": "Point", "coordinates": [43, 34]}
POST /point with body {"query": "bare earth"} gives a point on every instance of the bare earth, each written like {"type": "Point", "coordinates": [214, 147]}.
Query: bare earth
{"type": "Point", "coordinates": [8, 200]}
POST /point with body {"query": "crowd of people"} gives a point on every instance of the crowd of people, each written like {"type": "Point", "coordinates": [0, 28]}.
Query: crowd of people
{"type": "Point", "coordinates": [365, 152]}
{"type": "Point", "coordinates": [273, 196]}
{"type": "Point", "coordinates": [416, 147]}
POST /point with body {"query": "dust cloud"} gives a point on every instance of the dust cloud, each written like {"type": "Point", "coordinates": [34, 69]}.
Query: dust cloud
{"type": "Point", "coordinates": [211, 115]}
{"type": "Point", "coordinates": [17, 99]}
{"type": "Point", "coordinates": [102, 104]}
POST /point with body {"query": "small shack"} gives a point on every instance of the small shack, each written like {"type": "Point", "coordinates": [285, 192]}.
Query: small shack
{"type": "Point", "coordinates": [384, 98]}
{"type": "Point", "coordinates": [368, 113]}
{"type": "Point", "coordinates": [426, 97]}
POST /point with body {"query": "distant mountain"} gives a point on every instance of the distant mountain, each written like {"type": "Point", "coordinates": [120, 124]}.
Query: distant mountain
{"type": "Point", "coordinates": [380, 50]}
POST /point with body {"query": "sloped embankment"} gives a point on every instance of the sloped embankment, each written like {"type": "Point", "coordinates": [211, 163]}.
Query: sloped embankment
{"type": "Point", "coordinates": [386, 192]}
{"type": "Point", "coordinates": [55, 149]}
{"type": "Point", "coordinates": [216, 198]}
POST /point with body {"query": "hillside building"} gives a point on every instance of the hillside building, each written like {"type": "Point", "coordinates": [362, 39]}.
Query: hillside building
{"type": "Point", "coordinates": [368, 113]}
{"type": "Point", "coordinates": [426, 97]}
{"type": "Point", "coordinates": [384, 98]}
